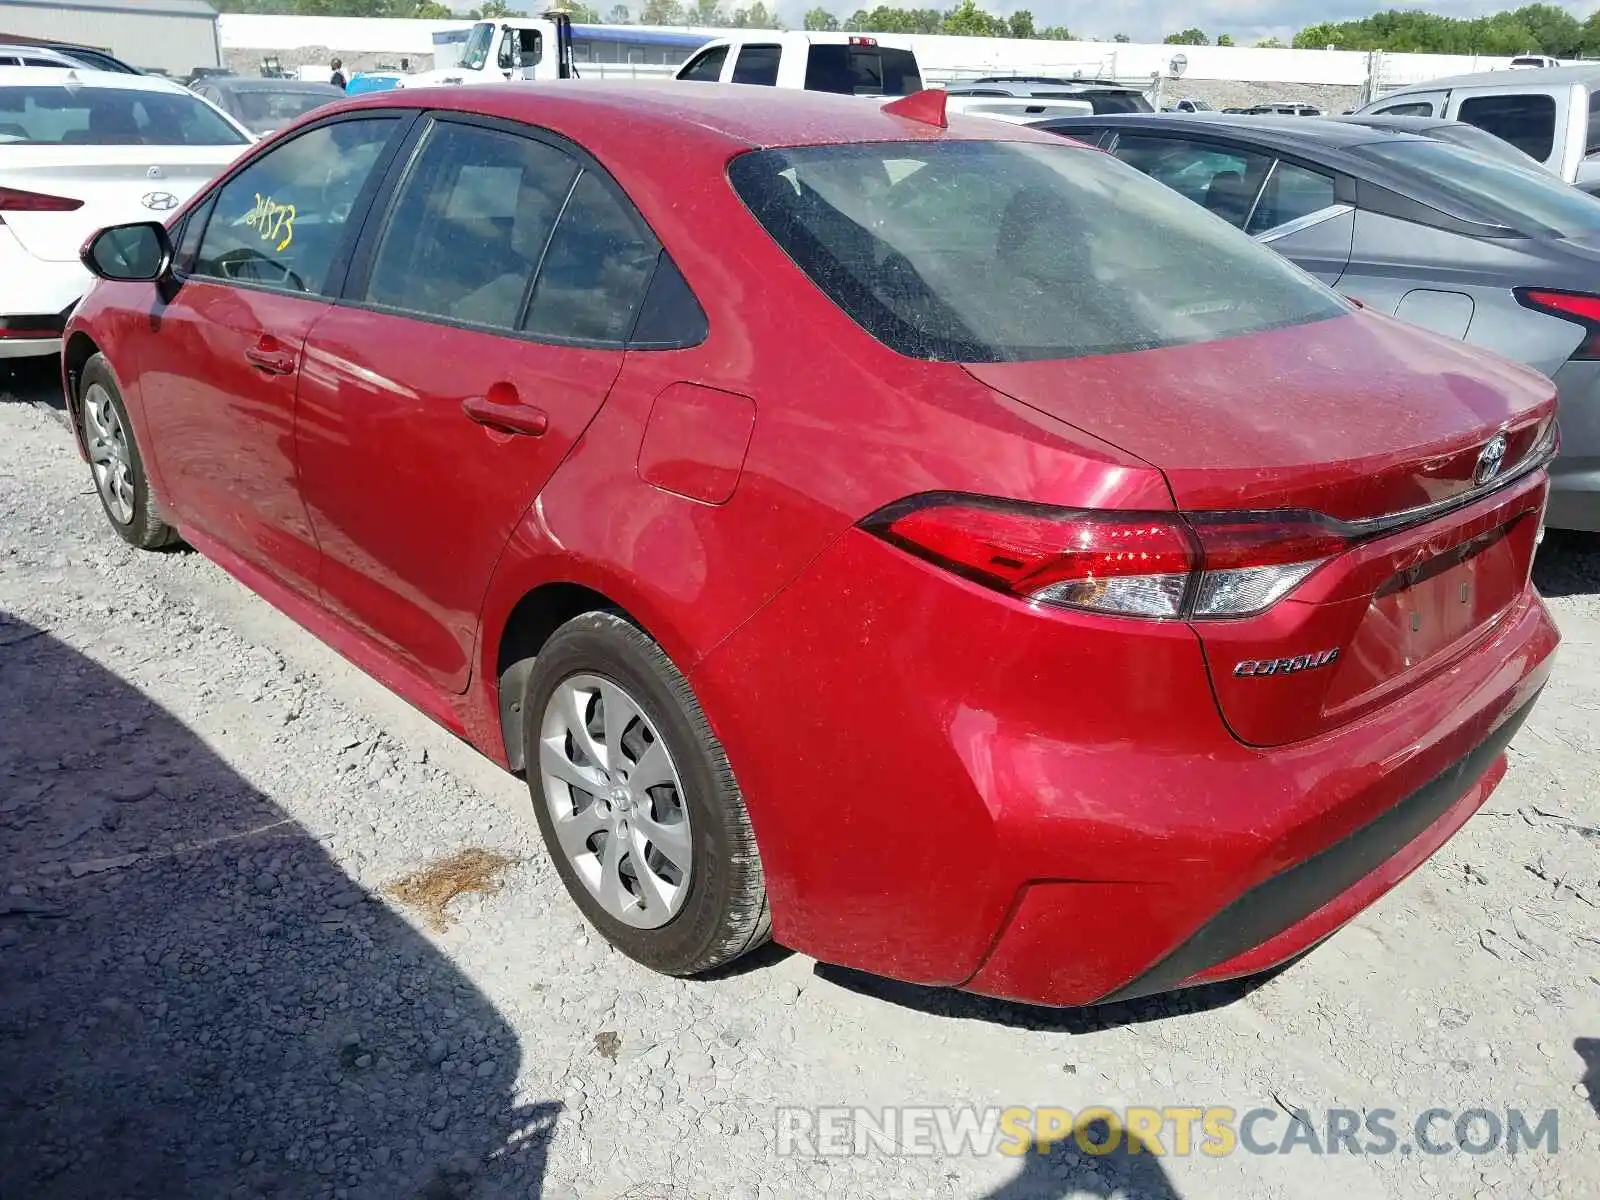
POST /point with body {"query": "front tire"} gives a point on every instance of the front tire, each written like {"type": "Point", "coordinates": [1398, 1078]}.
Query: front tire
{"type": "Point", "coordinates": [115, 462]}
{"type": "Point", "coordinates": [636, 801]}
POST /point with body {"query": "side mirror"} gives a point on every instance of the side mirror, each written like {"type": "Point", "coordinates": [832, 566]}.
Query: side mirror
{"type": "Point", "coordinates": [137, 253]}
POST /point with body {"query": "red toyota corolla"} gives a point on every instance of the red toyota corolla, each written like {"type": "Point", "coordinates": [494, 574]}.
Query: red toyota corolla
{"type": "Point", "coordinates": [942, 548]}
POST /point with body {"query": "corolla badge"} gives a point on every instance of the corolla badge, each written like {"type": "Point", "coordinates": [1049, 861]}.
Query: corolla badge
{"type": "Point", "coordinates": [1490, 459]}
{"type": "Point", "coordinates": [159, 201]}
{"type": "Point", "coordinates": [1252, 668]}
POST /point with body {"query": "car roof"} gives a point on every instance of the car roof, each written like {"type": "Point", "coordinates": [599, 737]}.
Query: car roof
{"type": "Point", "coordinates": [1405, 124]}
{"type": "Point", "coordinates": [1528, 77]}
{"type": "Point", "coordinates": [243, 83]}
{"type": "Point", "coordinates": [87, 77]}
{"type": "Point", "coordinates": [719, 118]}
{"type": "Point", "coordinates": [1279, 133]}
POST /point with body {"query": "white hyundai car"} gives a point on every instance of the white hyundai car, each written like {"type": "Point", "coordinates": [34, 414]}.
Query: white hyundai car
{"type": "Point", "coordinates": [79, 150]}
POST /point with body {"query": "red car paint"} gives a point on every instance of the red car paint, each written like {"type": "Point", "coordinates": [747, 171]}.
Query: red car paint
{"type": "Point", "coordinates": [1065, 798]}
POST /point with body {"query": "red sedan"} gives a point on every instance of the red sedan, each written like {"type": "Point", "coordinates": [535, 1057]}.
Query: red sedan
{"type": "Point", "coordinates": [937, 547]}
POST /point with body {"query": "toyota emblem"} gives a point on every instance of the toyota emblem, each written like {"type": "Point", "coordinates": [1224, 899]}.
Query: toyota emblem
{"type": "Point", "coordinates": [1490, 459]}
{"type": "Point", "coordinates": [163, 202]}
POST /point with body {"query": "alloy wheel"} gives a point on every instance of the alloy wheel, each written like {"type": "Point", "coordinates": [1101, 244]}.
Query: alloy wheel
{"type": "Point", "coordinates": [616, 801]}
{"type": "Point", "coordinates": [109, 455]}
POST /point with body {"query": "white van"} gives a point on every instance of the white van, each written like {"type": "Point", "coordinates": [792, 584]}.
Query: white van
{"type": "Point", "coordinates": [1552, 115]}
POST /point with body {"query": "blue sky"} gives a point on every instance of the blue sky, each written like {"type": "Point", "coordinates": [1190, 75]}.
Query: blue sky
{"type": "Point", "coordinates": [1150, 20]}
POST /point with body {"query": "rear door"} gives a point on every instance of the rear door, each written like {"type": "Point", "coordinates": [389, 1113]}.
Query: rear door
{"type": "Point", "coordinates": [1305, 213]}
{"type": "Point", "coordinates": [477, 337]}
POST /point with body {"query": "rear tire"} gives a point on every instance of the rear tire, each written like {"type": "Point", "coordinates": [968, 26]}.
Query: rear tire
{"type": "Point", "coordinates": [115, 463]}
{"type": "Point", "coordinates": [656, 847]}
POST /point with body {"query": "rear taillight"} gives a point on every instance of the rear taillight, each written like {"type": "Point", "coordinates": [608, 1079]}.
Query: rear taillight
{"type": "Point", "coordinates": [17, 200]}
{"type": "Point", "coordinates": [1131, 564]}
{"type": "Point", "coordinates": [1580, 308]}
{"type": "Point", "coordinates": [863, 41]}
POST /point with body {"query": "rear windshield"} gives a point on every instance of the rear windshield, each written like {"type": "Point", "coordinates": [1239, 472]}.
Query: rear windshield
{"type": "Point", "coordinates": [992, 251]}
{"type": "Point", "coordinates": [263, 109]}
{"type": "Point", "coordinates": [862, 70]}
{"type": "Point", "coordinates": [1106, 103]}
{"type": "Point", "coordinates": [1533, 204]}
{"type": "Point", "coordinates": [84, 116]}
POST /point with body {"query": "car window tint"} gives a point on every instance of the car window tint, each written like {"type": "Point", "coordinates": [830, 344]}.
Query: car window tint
{"type": "Point", "coordinates": [263, 109]}
{"type": "Point", "coordinates": [862, 70]}
{"type": "Point", "coordinates": [469, 225]}
{"type": "Point", "coordinates": [1222, 179]}
{"type": "Point", "coordinates": [708, 67]}
{"type": "Point", "coordinates": [1528, 121]}
{"type": "Point", "coordinates": [1421, 108]}
{"type": "Point", "coordinates": [279, 222]}
{"type": "Point", "coordinates": [995, 251]}
{"type": "Point", "coordinates": [98, 116]}
{"type": "Point", "coordinates": [1292, 192]}
{"type": "Point", "coordinates": [1591, 143]}
{"type": "Point", "coordinates": [594, 274]}
{"type": "Point", "coordinates": [757, 64]}
{"type": "Point", "coordinates": [1109, 103]}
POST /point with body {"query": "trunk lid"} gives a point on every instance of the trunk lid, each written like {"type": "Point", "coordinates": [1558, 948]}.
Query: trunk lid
{"type": "Point", "coordinates": [1358, 418]}
{"type": "Point", "coordinates": [117, 184]}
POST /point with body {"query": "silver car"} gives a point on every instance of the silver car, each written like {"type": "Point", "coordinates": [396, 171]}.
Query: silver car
{"type": "Point", "coordinates": [1429, 231]}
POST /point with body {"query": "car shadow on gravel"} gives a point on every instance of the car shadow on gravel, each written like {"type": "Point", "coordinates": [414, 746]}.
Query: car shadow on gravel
{"type": "Point", "coordinates": [1092, 1161]}
{"type": "Point", "coordinates": [964, 1006]}
{"type": "Point", "coordinates": [32, 381]}
{"type": "Point", "coordinates": [197, 1001]}
{"type": "Point", "coordinates": [1568, 564]}
{"type": "Point", "coordinates": [1589, 1051]}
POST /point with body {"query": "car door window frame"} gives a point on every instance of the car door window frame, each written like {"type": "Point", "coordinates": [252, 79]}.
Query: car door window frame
{"type": "Point", "coordinates": [363, 258]}
{"type": "Point", "coordinates": [204, 208]}
{"type": "Point", "coordinates": [1283, 229]}
{"type": "Point", "coordinates": [1220, 145]}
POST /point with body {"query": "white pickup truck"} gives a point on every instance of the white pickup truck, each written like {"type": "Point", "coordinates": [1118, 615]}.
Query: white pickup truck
{"type": "Point", "coordinates": [816, 62]}
{"type": "Point", "coordinates": [508, 51]}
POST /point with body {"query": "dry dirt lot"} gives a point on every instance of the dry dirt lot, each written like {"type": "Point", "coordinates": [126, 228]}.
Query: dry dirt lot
{"type": "Point", "coordinates": [207, 990]}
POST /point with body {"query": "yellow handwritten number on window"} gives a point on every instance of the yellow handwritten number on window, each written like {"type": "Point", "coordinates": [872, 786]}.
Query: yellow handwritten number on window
{"type": "Point", "coordinates": [272, 220]}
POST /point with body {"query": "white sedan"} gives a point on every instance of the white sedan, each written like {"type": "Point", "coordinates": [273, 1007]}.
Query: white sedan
{"type": "Point", "coordinates": [79, 150]}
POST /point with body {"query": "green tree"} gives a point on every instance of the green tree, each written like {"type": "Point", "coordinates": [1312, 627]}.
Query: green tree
{"type": "Point", "coordinates": [1224, 39]}
{"type": "Point", "coordinates": [820, 20]}
{"type": "Point", "coordinates": [705, 12]}
{"type": "Point", "coordinates": [1269, 44]}
{"type": "Point", "coordinates": [619, 15]}
{"type": "Point", "coordinates": [1121, 37]}
{"type": "Point", "coordinates": [1020, 24]}
{"type": "Point", "coordinates": [581, 13]}
{"type": "Point", "coordinates": [661, 12]}
{"type": "Point", "coordinates": [494, 10]}
{"type": "Point", "coordinates": [432, 10]}
{"type": "Point", "coordinates": [968, 20]}
{"type": "Point", "coordinates": [1189, 37]}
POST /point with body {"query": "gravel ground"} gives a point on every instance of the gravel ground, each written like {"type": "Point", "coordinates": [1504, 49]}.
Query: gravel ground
{"type": "Point", "coordinates": [207, 992]}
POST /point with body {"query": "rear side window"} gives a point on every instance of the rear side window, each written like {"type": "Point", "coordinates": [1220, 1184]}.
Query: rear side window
{"type": "Point", "coordinates": [594, 274]}
{"type": "Point", "coordinates": [280, 222]}
{"type": "Point", "coordinates": [1108, 103]}
{"type": "Point", "coordinates": [856, 70]}
{"type": "Point", "coordinates": [993, 251]}
{"type": "Point", "coordinates": [1420, 109]}
{"type": "Point", "coordinates": [1292, 192]}
{"type": "Point", "coordinates": [707, 68]}
{"type": "Point", "coordinates": [96, 116]}
{"type": "Point", "coordinates": [469, 226]}
{"type": "Point", "coordinates": [757, 64]}
{"type": "Point", "coordinates": [1223, 179]}
{"type": "Point", "coordinates": [1528, 121]}
{"type": "Point", "coordinates": [1591, 144]}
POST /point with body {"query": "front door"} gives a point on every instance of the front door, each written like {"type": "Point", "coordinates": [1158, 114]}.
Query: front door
{"type": "Point", "coordinates": [441, 395]}
{"type": "Point", "coordinates": [218, 383]}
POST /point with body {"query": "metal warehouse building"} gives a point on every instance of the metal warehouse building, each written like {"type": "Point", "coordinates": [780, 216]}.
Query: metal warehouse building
{"type": "Point", "coordinates": [174, 35]}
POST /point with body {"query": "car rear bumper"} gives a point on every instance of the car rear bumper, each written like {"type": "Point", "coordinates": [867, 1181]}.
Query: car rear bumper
{"type": "Point", "coordinates": [36, 298]}
{"type": "Point", "coordinates": [1575, 474]}
{"type": "Point", "coordinates": [954, 789]}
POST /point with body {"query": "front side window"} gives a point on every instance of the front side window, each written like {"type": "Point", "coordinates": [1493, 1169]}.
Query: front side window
{"type": "Point", "coordinates": [707, 68]}
{"type": "Point", "coordinates": [980, 251]}
{"type": "Point", "coordinates": [1591, 144]}
{"type": "Point", "coordinates": [51, 115]}
{"type": "Point", "coordinates": [280, 222]}
{"type": "Point", "coordinates": [1292, 192]}
{"type": "Point", "coordinates": [1419, 109]}
{"type": "Point", "coordinates": [470, 225]}
{"type": "Point", "coordinates": [1528, 122]}
{"type": "Point", "coordinates": [757, 64]}
{"type": "Point", "coordinates": [594, 275]}
{"type": "Point", "coordinates": [1225, 180]}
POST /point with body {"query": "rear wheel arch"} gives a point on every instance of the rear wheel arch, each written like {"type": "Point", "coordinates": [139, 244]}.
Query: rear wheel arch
{"type": "Point", "coordinates": [529, 625]}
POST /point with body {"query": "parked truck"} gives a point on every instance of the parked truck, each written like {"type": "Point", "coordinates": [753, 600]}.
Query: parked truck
{"type": "Point", "coordinates": [511, 50]}
{"type": "Point", "coordinates": [817, 62]}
